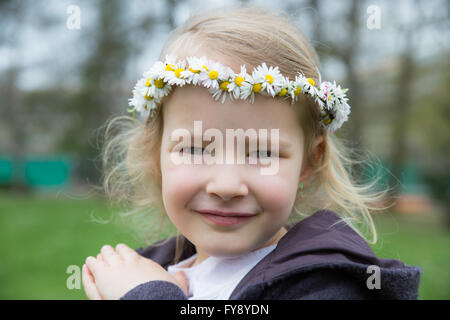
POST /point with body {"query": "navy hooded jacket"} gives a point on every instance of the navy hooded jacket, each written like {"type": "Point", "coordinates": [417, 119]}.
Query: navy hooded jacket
{"type": "Point", "coordinates": [320, 257]}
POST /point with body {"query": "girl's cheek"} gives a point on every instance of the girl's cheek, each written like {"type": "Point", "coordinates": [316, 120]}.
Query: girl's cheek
{"type": "Point", "coordinates": [179, 183]}
{"type": "Point", "coordinates": [276, 196]}
{"type": "Point", "coordinates": [277, 193]}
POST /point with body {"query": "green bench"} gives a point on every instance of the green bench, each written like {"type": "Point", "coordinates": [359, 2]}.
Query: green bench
{"type": "Point", "coordinates": [37, 172]}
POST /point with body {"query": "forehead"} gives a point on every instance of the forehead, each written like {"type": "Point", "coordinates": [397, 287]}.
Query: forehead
{"type": "Point", "coordinates": [190, 103]}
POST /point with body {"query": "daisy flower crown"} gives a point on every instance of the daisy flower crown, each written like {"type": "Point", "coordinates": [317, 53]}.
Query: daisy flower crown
{"type": "Point", "coordinates": [222, 82]}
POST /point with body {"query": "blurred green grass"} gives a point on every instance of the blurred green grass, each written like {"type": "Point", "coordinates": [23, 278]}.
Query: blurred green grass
{"type": "Point", "coordinates": [41, 236]}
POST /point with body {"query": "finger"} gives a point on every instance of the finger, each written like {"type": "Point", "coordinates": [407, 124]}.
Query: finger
{"type": "Point", "coordinates": [109, 255]}
{"type": "Point", "coordinates": [126, 252]}
{"type": "Point", "coordinates": [183, 281]}
{"type": "Point", "coordinates": [100, 257]}
{"type": "Point", "coordinates": [94, 265]}
{"type": "Point", "coordinates": [89, 284]}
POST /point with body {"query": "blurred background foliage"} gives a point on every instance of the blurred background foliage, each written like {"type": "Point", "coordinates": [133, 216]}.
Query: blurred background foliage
{"type": "Point", "coordinates": [59, 85]}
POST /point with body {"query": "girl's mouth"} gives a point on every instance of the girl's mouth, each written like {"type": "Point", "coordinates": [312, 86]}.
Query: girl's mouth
{"type": "Point", "coordinates": [225, 219]}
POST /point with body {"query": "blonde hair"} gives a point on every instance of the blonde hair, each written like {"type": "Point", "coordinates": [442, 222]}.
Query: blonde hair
{"type": "Point", "coordinates": [246, 35]}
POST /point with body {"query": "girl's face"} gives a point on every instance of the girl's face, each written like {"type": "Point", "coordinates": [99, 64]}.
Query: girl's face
{"type": "Point", "coordinates": [189, 188]}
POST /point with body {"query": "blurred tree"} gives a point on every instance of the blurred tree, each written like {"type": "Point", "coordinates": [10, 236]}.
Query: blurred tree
{"type": "Point", "coordinates": [102, 77]}
{"type": "Point", "coordinates": [12, 125]}
{"type": "Point", "coordinates": [430, 121]}
{"type": "Point", "coordinates": [170, 9]}
{"type": "Point", "coordinates": [349, 54]}
{"type": "Point", "coordinates": [412, 33]}
{"type": "Point", "coordinates": [12, 15]}
{"type": "Point", "coordinates": [400, 112]}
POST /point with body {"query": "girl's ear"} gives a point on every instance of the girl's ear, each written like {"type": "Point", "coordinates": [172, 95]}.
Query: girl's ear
{"type": "Point", "coordinates": [317, 151]}
{"type": "Point", "coordinates": [318, 148]}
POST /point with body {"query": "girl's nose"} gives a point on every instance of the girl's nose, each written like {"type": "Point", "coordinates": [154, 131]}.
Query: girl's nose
{"type": "Point", "coordinates": [226, 182]}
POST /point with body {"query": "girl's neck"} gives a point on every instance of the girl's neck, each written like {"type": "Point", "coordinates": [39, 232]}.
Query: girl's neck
{"type": "Point", "coordinates": [202, 256]}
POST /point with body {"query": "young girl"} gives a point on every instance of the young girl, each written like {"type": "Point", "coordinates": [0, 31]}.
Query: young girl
{"type": "Point", "coordinates": [240, 236]}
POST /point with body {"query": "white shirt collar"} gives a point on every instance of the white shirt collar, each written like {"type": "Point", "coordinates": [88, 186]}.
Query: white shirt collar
{"type": "Point", "coordinates": [216, 278]}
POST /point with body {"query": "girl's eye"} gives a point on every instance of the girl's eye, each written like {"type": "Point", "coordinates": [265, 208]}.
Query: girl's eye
{"type": "Point", "coordinates": [263, 154]}
{"type": "Point", "coordinates": [189, 149]}
{"type": "Point", "coordinates": [258, 153]}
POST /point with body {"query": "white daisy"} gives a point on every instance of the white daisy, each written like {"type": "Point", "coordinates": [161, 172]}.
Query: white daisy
{"type": "Point", "coordinates": [333, 94]}
{"type": "Point", "coordinates": [146, 95]}
{"type": "Point", "coordinates": [282, 90]}
{"type": "Point", "coordinates": [138, 92]}
{"type": "Point", "coordinates": [272, 78]}
{"type": "Point", "coordinates": [252, 85]}
{"type": "Point", "coordinates": [150, 104]}
{"type": "Point", "coordinates": [307, 85]}
{"type": "Point", "coordinates": [212, 73]}
{"type": "Point", "coordinates": [154, 79]}
{"type": "Point", "coordinates": [341, 110]}
{"type": "Point", "coordinates": [142, 103]}
{"type": "Point", "coordinates": [340, 116]}
{"type": "Point", "coordinates": [323, 96]}
{"type": "Point", "coordinates": [158, 88]}
{"type": "Point", "coordinates": [173, 72]}
{"type": "Point", "coordinates": [169, 66]}
{"type": "Point", "coordinates": [334, 97]}
{"type": "Point", "coordinates": [236, 82]}
{"type": "Point", "coordinates": [141, 87]}
{"type": "Point", "coordinates": [324, 90]}
{"type": "Point", "coordinates": [223, 91]}
{"type": "Point", "coordinates": [192, 73]}
{"type": "Point", "coordinates": [295, 88]}
{"type": "Point", "coordinates": [338, 93]}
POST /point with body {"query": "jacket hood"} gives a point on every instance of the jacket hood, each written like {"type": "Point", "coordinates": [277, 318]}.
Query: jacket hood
{"type": "Point", "coordinates": [322, 241]}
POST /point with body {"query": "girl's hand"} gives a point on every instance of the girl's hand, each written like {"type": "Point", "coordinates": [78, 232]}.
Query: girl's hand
{"type": "Point", "coordinates": [114, 273]}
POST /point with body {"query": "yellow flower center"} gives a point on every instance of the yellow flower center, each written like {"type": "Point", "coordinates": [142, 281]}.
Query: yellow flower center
{"type": "Point", "coordinates": [159, 83]}
{"type": "Point", "coordinates": [213, 75]}
{"type": "Point", "coordinates": [297, 91]}
{"type": "Point", "coordinates": [257, 87]}
{"type": "Point", "coordinates": [170, 68]}
{"type": "Point", "coordinates": [204, 67]}
{"type": "Point", "coordinates": [224, 85]}
{"type": "Point", "coordinates": [238, 80]}
{"type": "Point", "coordinates": [148, 83]}
{"type": "Point", "coordinates": [194, 71]}
{"type": "Point", "coordinates": [311, 81]}
{"type": "Point", "coordinates": [269, 78]}
{"type": "Point", "coordinates": [178, 72]}
{"type": "Point", "coordinates": [282, 92]}
{"type": "Point", "coordinates": [327, 121]}
{"type": "Point", "coordinates": [148, 97]}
